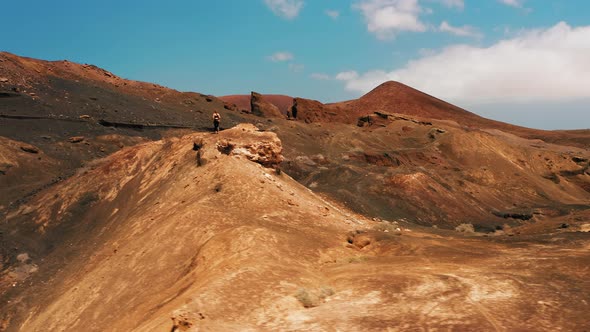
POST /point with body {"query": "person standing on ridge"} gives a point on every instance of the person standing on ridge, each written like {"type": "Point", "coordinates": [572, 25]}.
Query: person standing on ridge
{"type": "Point", "coordinates": [216, 120]}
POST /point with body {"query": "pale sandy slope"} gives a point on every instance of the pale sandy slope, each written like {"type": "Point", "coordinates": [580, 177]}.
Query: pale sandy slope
{"type": "Point", "coordinates": [151, 239]}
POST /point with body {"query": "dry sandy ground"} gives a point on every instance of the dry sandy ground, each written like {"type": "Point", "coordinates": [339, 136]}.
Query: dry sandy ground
{"type": "Point", "coordinates": [159, 237]}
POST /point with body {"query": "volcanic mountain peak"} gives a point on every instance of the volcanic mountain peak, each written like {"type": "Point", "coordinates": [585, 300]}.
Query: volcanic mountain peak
{"type": "Point", "coordinates": [394, 89]}
{"type": "Point", "coordinates": [391, 85]}
{"type": "Point", "coordinates": [396, 97]}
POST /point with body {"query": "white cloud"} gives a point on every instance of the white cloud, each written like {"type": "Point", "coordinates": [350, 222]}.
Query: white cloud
{"type": "Point", "coordinates": [453, 3]}
{"type": "Point", "coordinates": [280, 57]}
{"type": "Point", "coordinates": [464, 31]}
{"type": "Point", "coordinates": [513, 3]}
{"type": "Point", "coordinates": [347, 76]}
{"type": "Point", "coordinates": [334, 14]}
{"type": "Point", "coordinates": [296, 67]}
{"type": "Point", "coordinates": [320, 76]}
{"type": "Point", "coordinates": [426, 52]}
{"type": "Point", "coordinates": [288, 9]}
{"type": "Point", "coordinates": [536, 65]}
{"type": "Point", "coordinates": [385, 18]}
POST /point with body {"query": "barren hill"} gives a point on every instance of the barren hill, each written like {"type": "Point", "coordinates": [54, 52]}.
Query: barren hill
{"type": "Point", "coordinates": [74, 113]}
{"type": "Point", "coordinates": [120, 210]}
{"type": "Point", "coordinates": [201, 233]}
{"type": "Point", "coordinates": [395, 97]}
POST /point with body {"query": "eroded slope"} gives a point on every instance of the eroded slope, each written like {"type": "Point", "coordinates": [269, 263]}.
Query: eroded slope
{"type": "Point", "coordinates": [202, 233]}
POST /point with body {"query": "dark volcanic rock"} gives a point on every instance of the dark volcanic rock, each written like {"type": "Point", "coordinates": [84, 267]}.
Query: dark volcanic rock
{"type": "Point", "coordinates": [522, 215]}
{"type": "Point", "coordinates": [376, 119]}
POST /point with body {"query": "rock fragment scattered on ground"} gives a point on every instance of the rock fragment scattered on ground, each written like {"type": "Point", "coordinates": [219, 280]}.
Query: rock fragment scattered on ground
{"type": "Point", "coordinates": [76, 139]}
{"type": "Point", "coordinates": [29, 148]}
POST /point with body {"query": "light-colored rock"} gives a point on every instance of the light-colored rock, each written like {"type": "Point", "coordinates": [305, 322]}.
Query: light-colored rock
{"type": "Point", "coordinates": [76, 139]}
{"type": "Point", "coordinates": [29, 148]}
{"type": "Point", "coordinates": [261, 147]}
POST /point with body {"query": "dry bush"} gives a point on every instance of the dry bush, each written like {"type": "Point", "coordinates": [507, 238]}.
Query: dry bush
{"type": "Point", "coordinates": [308, 300]}
{"type": "Point", "coordinates": [311, 299]}
{"type": "Point", "coordinates": [465, 228]}
{"type": "Point", "coordinates": [388, 227]}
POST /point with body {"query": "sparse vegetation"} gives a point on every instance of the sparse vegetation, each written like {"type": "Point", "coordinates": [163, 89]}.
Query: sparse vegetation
{"type": "Point", "coordinates": [465, 228]}
{"type": "Point", "coordinates": [357, 259]}
{"type": "Point", "coordinates": [88, 198]}
{"type": "Point", "coordinates": [225, 147]}
{"type": "Point", "coordinates": [387, 227]}
{"type": "Point", "coordinates": [307, 299]}
{"type": "Point", "coordinates": [326, 292]}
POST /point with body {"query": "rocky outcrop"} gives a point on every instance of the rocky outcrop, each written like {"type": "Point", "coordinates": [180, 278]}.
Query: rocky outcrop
{"type": "Point", "coordinates": [76, 139]}
{"type": "Point", "coordinates": [29, 148]}
{"type": "Point", "coordinates": [261, 107]}
{"type": "Point", "coordinates": [383, 119]}
{"type": "Point", "coordinates": [261, 147]}
{"type": "Point", "coordinates": [309, 111]}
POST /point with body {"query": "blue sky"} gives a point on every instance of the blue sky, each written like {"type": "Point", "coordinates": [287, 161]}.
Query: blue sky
{"type": "Point", "coordinates": [520, 61]}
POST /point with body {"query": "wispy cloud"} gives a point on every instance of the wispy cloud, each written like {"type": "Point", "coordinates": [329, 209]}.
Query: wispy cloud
{"type": "Point", "coordinates": [288, 9]}
{"type": "Point", "coordinates": [296, 67]}
{"type": "Point", "coordinates": [320, 76]}
{"type": "Point", "coordinates": [464, 31]}
{"type": "Point", "coordinates": [334, 14]}
{"type": "Point", "coordinates": [536, 65]}
{"type": "Point", "coordinates": [513, 3]}
{"type": "Point", "coordinates": [347, 75]}
{"type": "Point", "coordinates": [386, 18]}
{"type": "Point", "coordinates": [281, 57]}
{"type": "Point", "coordinates": [453, 3]}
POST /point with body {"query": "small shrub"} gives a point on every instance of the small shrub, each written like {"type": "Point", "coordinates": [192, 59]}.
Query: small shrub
{"type": "Point", "coordinates": [307, 299]}
{"type": "Point", "coordinates": [465, 228]}
{"type": "Point", "coordinates": [357, 259]}
{"type": "Point", "coordinates": [88, 198]}
{"type": "Point", "coordinates": [326, 292]}
{"type": "Point", "coordinates": [311, 299]}
{"type": "Point", "coordinates": [387, 227]}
